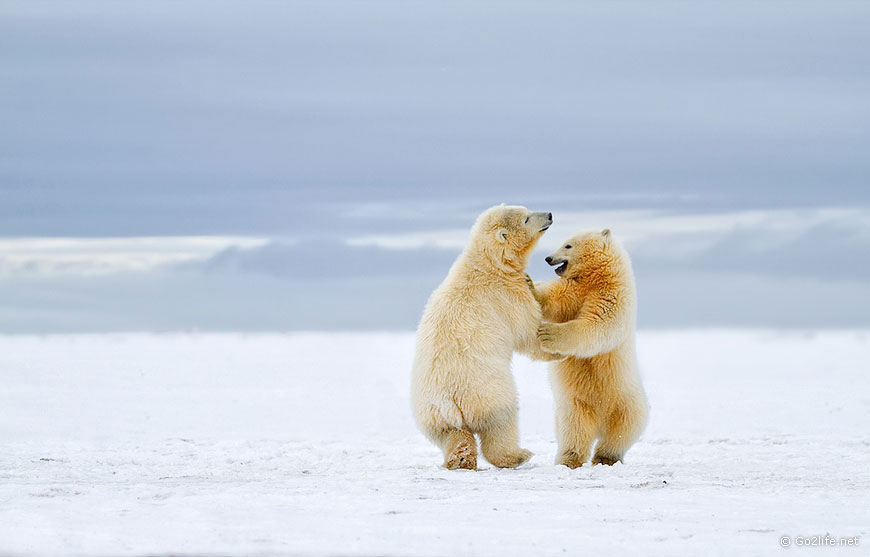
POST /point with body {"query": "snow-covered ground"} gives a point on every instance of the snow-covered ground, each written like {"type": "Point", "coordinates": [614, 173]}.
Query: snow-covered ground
{"type": "Point", "coordinates": [304, 444]}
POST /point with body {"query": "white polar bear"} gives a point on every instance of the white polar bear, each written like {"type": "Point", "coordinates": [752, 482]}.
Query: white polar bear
{"type": "Point", "coordinates": [483, 311]}
{"type": "Point", "coordinates": [592, 307]}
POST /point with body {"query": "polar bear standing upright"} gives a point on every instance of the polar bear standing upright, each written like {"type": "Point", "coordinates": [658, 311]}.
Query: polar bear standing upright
{"type": "Point", "coordinates": [597, 389]}
{"type": "Point", "coordinates": [483, 311]}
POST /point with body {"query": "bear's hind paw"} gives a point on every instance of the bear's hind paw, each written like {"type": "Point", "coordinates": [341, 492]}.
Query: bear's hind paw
{"type": "Point", "coordinates": [511, 460]}
{"type": "Point", "coordinates": [571, 459]}
{"type": "Point", "coordinates": [463, 457]}
{"type": "Point", "coordinates": [606, 459]}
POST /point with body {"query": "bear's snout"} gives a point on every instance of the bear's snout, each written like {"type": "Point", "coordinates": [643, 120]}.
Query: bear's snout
{"type": "Point", "coordinates": [549, 260]}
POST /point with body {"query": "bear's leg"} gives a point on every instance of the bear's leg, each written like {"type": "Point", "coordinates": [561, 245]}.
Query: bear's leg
{"type": "Point", "coordinates": [499, 440]}
{"type": "Point", "coordinates": [576, 428]}
{"type": "Point", "coordinates": [621, 429]}
{"type": "Point", "coordinates": [460, 449]}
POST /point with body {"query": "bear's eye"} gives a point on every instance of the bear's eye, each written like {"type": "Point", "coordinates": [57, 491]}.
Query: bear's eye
{"type": "Point", "coordinates": [568, 246]}
{"type": "Point", "coordinates": [527, 220]}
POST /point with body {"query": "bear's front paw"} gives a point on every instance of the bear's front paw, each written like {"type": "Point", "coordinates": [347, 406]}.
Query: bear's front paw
{"type": "Point", "coordinates": [551, 339]}
{"type": "Point", "coordinates": [529, 282]}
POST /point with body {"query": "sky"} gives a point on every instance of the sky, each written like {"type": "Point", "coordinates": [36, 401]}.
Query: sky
{"type": "Point", "coordinates": [317, 165]}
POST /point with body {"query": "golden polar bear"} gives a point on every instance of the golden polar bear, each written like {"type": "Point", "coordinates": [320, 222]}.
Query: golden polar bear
{"type": "Point", "coordinates": [597, 388]}
{"type": "Point", "coordinates": [483, 311]}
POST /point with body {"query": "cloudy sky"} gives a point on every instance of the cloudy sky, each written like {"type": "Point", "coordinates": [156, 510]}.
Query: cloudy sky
{"type": "Point", "coordinates": [317, 165]}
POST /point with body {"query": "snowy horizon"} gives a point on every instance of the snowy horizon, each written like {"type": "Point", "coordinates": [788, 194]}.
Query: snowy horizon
{"type": "Point", "coordinates": [785, 268]}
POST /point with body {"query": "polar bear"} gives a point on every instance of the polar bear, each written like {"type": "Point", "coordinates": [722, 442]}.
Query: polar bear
{"type": "Point", "coordinates": [597, 388]}
{"type": "Point", "coordinates": [483, 311]}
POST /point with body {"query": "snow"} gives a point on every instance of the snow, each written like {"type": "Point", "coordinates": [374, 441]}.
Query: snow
{"type": "Point", "coordinates": [303, 444]}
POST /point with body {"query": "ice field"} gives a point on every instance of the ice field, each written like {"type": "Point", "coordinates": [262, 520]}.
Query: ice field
{"type": "Point", "coordinates": [303, 444]}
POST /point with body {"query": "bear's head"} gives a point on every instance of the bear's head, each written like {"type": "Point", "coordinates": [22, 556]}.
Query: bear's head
{"type": "Point", "coordinates": [584, 252]}
{"type": "Point", "coordinates": [507, 234]}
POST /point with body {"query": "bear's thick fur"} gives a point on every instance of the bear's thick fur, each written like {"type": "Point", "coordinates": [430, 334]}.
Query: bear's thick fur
{"type": "Point", "coordinates": [597, 389]}
{"type": "Point", "coordinates": [483, 311]}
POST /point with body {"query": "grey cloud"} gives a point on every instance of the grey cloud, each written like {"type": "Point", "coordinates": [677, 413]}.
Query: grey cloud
{"type": "Point", "coordinates": [196, 117]}
{"type": "Point", "coordinates": [825, 252]}
{"type": "Point", "coordinates": [187, 300]}
{"type": "Point", "coordinates": [685, 298]}
{"type": "Point", "coordinates": [286, 119]}
{"type": "Point", "coordinates": [316, 259]}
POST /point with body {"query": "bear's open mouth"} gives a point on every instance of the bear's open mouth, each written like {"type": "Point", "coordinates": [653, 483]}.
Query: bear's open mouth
{"type": "Point", "coordinates": [562, 265]}
{"type": "Point", "coordinates": [544, 229]}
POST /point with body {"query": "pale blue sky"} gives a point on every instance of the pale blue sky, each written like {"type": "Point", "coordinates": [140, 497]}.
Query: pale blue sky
{"type": "Point", "coordinates": [340, 150]}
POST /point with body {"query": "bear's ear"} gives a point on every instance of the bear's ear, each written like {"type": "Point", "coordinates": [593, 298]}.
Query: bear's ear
{"type": "Point", "coordinates": [501, 235]}
{"type": "Point", "coordinates": [606, 233]}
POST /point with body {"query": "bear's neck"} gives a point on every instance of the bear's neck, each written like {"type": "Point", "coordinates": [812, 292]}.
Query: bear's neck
{"type": "Point", "coordinates": [490, 265]}
{"type": "Point", "coordinates": [600, 275]}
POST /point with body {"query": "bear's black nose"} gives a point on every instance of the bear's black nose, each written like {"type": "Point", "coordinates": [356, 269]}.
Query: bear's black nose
{"type": "Point", "coordinates": [549, 260]}
{"type": "Point", "coordinates": [550, 216]}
